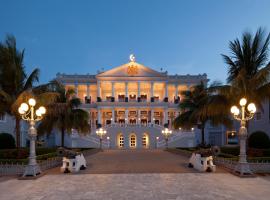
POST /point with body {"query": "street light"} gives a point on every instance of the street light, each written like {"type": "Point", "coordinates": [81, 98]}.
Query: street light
{"type": "Point", "coordinates": [101, 132]}
{"type": "Point", "coordinates": [28, 113]}
{"type": "Point", "coordinates": [243, 116]}
{"type": "Point", "coordinates": [108, 138]}
{"type": "Point", "coordinates": [157, 138]}
{"type": "Point", "coordinates": [166, 133]}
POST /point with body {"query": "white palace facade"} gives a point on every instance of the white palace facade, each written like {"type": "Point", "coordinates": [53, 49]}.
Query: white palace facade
{"type": "Point", "coordinates": [133, 103]}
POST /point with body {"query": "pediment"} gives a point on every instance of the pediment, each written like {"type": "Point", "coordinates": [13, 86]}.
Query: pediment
{"type": "Point", "coordinates": [131, 69]}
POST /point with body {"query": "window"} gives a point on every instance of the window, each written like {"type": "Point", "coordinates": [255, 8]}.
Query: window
{"type": "Point", "coordinates": [133, 141]}
{"type": "Point", "coordinates": [232, 137]}
{"type": "Point", "coordinates": [121, 141]}
{"type": "Point", "coordinates": [2, 118]}
{"type": "Point", "coordinates": [145, 141]}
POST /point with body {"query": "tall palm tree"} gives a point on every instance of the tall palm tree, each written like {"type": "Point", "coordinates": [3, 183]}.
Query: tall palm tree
{"type": "Point", "coordinates": [15, 85]}
{"type": "Point", "coordinates": [65, 115]}
{"type": "Point", "coordinates": [200, 106]}
{"type": "Point", "coordinates": [248, 70]}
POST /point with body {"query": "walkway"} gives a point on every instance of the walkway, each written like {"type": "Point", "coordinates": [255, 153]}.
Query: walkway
{"type": "Point", "coordinates": [179, 186]}
{"type": "Point", "coordinates": [136, 161]}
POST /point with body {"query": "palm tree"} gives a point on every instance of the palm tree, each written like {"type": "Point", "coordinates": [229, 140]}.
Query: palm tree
{"type": "Point", "coordinates": [248, 70]}
{"type": "Point", "coordinates": [15, 85]}
{"type": "Point", "coordinates": [200, 106]}
{"type": "Point", "coordinates": [65, 115]}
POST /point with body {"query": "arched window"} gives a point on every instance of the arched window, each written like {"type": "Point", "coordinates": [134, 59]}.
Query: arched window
{"type": "Point", "coordinates": [145, 140]}
{"type": "Point", "coordinates": [132, 142]}
{"type": "Point", "coordinates": [120, 140]}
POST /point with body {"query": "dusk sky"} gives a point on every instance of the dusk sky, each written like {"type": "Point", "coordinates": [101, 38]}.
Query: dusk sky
{"type": "Point", "coordinates": [184, 37]}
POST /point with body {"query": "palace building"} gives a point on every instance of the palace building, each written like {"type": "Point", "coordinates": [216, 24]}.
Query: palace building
{"type": "Point", "coordinates": [133, 103]}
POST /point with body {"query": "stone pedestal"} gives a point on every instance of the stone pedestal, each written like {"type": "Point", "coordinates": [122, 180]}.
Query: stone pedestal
{"type": "Point", "coordinates": [242, 168]}
{"type": "Point", "coordinates": [32, 169]}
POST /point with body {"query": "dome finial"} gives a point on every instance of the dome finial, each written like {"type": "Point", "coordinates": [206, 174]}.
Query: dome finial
{"type": "Point", "coordinates": [132, 58]}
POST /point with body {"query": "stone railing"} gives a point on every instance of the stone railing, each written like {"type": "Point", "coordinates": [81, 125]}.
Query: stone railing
{"type": "Point", "coordinates": [18, 169]}
{"type": "Point", "coordinates": [255, 165]}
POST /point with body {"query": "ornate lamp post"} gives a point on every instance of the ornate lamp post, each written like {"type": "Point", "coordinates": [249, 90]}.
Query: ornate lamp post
{"type": "Point", "coordinates": [101, 132]}
{"type": "Point", "coordinates": [166, 133]}
{"type": "Point", "coordinates": [157, 138]}
{"type": "Point", "coordinates": [243, 116]}
{"type": "Point", "coordinates": [28, 113]}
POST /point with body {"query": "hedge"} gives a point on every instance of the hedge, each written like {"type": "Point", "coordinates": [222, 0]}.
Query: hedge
{"type": "Point", "coordinates": [7, 141]}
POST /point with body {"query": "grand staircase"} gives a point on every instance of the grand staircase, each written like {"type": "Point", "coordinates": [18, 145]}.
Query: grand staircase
{"type": "Point", "coordinates": [177, 139]}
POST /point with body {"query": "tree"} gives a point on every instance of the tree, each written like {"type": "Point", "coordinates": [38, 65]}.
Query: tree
{"type": "Point", "coordinates": [248, 70]}
{"type": "Point", "coordinates": [65, 115]}
{"type": "Point", "coordinates": [198, 106]}
{"type": "Point", "coordinates": [259, 140]}
{"type": "Point", "coordinates": [15, 85]}
{"type": "Point", "coordinates": [6, 141]}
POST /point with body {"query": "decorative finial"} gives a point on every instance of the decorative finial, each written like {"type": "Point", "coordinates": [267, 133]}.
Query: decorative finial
{"type": "Point", "coordinates": [132, 58]}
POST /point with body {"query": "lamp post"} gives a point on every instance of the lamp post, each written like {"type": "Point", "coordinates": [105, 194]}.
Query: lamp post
{"type": "Point", "coordinates": [157, 138]}
{"type": "Point", "coordinates": [166, 133]}
{"type": "Point", "coordinates": [108, 138]}
{"type": "Point", "coordinates": [28, 113]}
{"type": "Point", "coordinates": [101, 132]}
{"type": "Point", "coordinates": [243, 115]}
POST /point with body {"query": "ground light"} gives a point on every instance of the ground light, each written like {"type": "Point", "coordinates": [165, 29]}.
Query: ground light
{"type": "Point", "coordinates": [28, 113]}
{"type": "Point", "coordinates": [101, 132]}
{"type": "Point", "coordinates": [243, 115]}
{"type": "Point", "coordinates": [166, 133]}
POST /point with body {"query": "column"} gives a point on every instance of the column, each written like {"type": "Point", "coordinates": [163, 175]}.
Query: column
{"type": "Point", "coordinates": [165, 116]}
{"type": "Point", "coordinates": [139, 117]}
{"type": "Point", "coordinates": [166, 89]}
{"type": "Point", "coordinates": [99, 116]}
{"type": "Point", "coordinates": [152, 116]}
{"type": "Point", "coordinates": [98, 89]}
{"type": "Point", "coordinates": [76, 90]}
{"type": "Point", "coordinates": [152, 89]}
{"type": "Point", "coordinates": [88, 90]}
{"type": "Point", "coordinates": [113, 116]}
{"type": "Point", "coordinates": [176, 91]}
{"type": "Point", "coordinates": [139, 89]}
{"type": "Point", "coordinates": [126, 89]}
{"type": "Point", "coordinates": [126, 116]}
{"type": "Point", "coordinates": [113, 90]}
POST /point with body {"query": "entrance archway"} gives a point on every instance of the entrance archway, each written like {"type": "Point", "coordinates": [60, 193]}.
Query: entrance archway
{"type": "Point", "coordinates": [132, 141]}
{"type": "Point", "coordinates": [145, 141]}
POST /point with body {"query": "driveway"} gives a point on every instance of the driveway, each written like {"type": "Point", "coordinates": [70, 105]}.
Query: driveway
{"type": "Point", "coordinates": [135, 161]}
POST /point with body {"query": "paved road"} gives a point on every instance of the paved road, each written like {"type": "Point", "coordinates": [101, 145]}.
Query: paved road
{"type": "Point", "coordinates": [136, 175]}
{"type": "Point", "coordinates": [136, 161]}
{"type": "Point", "coordinates": [177, 186]}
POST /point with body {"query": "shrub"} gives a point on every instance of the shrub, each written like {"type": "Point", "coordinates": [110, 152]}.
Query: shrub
{"type": "Point", "coordinates": [6, 141]}
{"type": "Point", "coordinates": [230, 150]}
{"type": "Point", "coordinates": [259, 140]}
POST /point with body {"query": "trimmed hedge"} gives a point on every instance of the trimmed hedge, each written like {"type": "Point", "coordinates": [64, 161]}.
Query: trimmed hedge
{"type": "Point", "coordinates": [23, 153]}
{"type": "Point", "coordinates": [7, 141]}
{"type": "Point", "coordinates": [259, 140]}
{"type": "Point", "coordinates": [234, 151]}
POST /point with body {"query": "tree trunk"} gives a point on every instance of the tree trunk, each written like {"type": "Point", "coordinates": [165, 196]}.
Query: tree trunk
{"type": "Point", "coordinates": [18, 132]}
{"type": "Point", "coordinates": [202, 135]}
{"type": "Point", "coordinates": [62, 137]}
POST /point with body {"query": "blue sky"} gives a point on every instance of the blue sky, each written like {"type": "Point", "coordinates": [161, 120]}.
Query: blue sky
{"type": "Point", "coordinates": [184, 37]}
